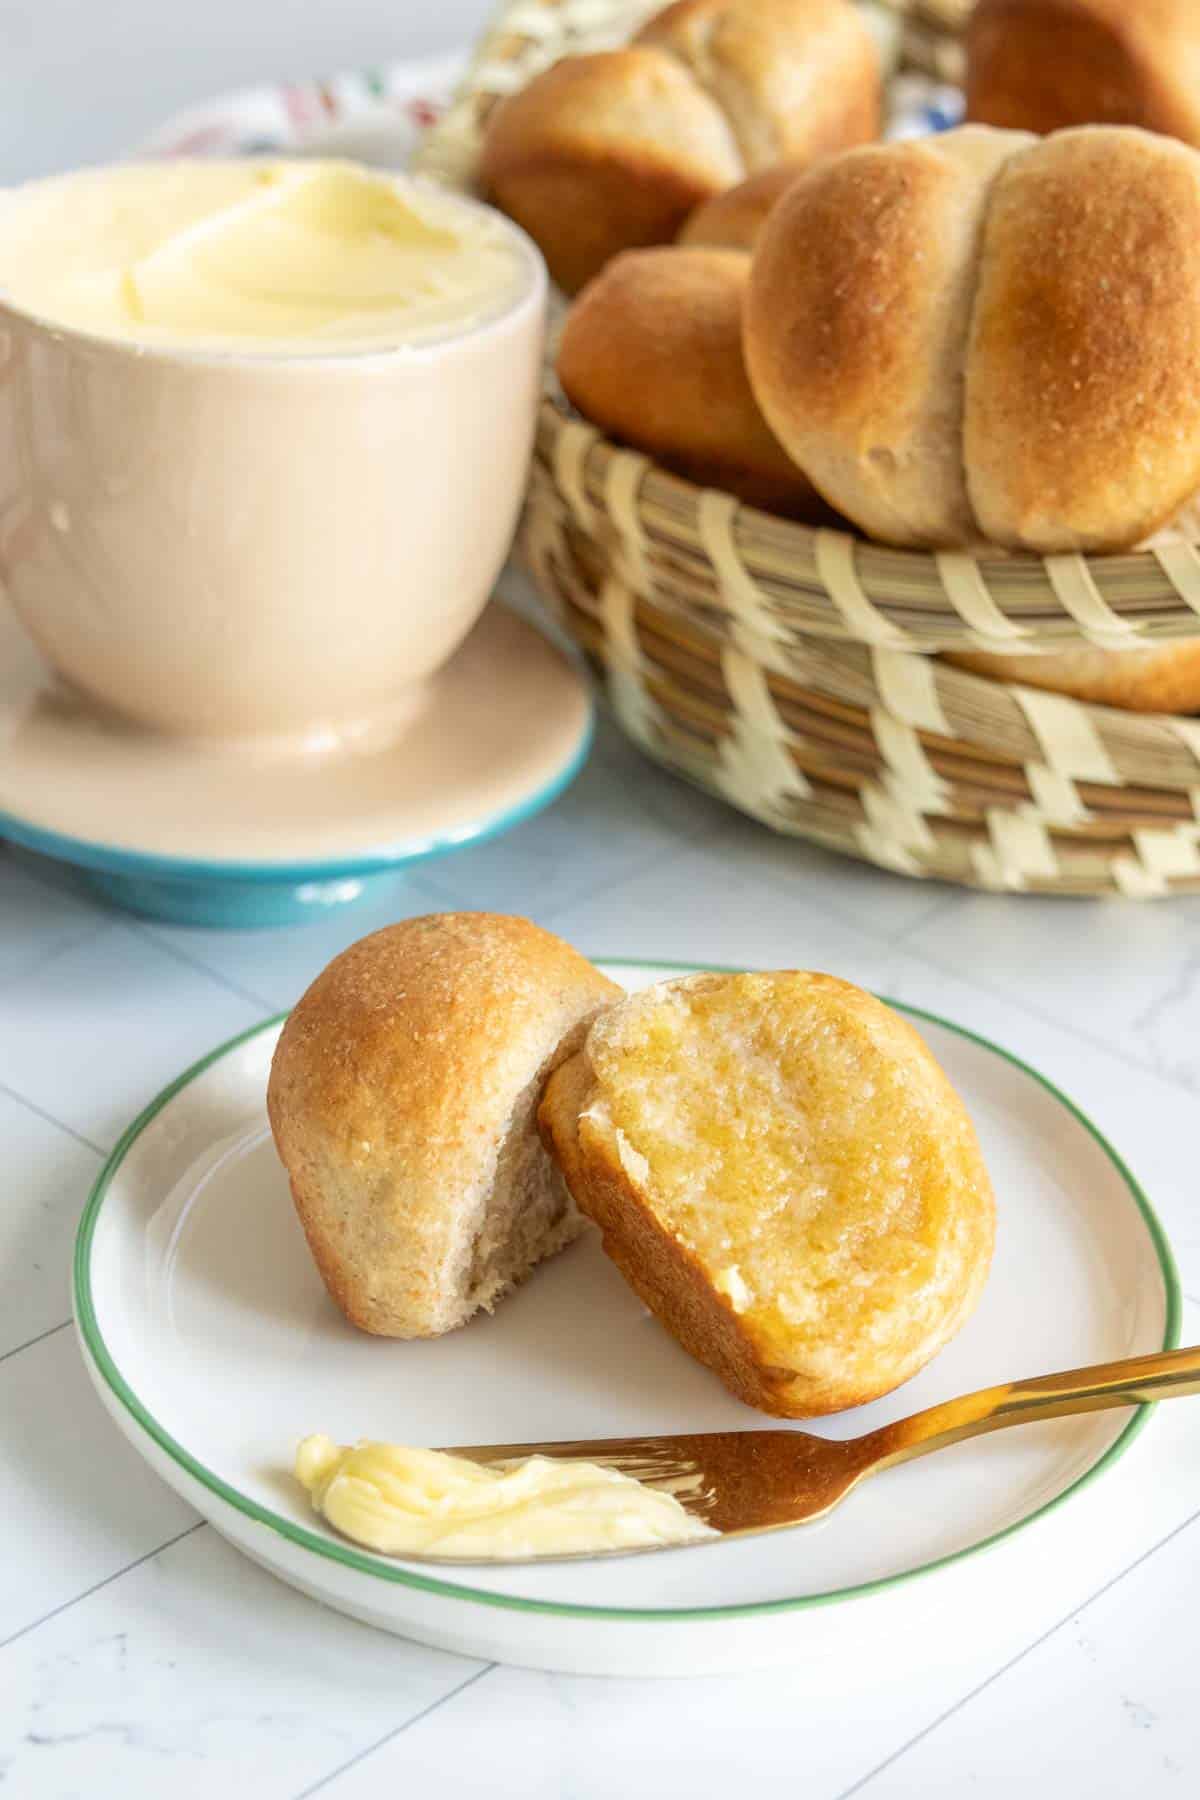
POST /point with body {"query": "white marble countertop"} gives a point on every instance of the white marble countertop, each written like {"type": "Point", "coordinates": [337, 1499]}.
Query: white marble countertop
{"type": "Point", "coordinates": [140, 1655]}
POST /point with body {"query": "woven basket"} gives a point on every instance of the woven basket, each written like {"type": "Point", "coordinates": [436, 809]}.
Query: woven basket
{"type": "Point", "coordinates": [791, 670]}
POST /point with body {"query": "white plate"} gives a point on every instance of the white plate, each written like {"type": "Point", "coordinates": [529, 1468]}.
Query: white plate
{"type": "Point", "coordinates": [212, 1343]}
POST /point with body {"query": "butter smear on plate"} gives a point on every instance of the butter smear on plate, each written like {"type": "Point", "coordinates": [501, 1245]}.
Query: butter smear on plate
{"type": "Point", "coordinates": [407, 1502]}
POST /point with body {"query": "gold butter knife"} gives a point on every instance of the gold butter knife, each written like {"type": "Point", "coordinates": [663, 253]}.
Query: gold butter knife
{"type": "Point", "coordinates": [739, 1482]}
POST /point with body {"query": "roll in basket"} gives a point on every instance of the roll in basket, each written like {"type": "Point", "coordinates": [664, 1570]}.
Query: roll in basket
{"type": "Point", "coordinates": [791, 670]}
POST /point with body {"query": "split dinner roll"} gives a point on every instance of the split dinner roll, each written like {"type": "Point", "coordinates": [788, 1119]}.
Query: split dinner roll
{"type": "Point", "coordinates": [984, 336]}
{"type": "Point", "coordinates": [1044, 64]}
{"type": "Point", "coordinates": [608, 151]}
{"type": "Point", "coordinates": [652, 353]}
{"type": "Point", "coordinates": [402, 1098]}
{"type": "Point", "coordinates": [784, 1175]}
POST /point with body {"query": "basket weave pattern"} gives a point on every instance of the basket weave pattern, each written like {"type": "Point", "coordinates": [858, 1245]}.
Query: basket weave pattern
{"type": "Point", "coordinates": [791, 670]}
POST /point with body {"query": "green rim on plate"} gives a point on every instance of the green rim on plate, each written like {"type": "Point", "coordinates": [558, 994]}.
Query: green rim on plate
{"type": "Point", "coordinates": [97, 1349]}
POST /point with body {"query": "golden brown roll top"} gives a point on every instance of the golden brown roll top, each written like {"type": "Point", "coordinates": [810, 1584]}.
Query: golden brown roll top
{"type": "Point", "coordinates": [402, 1098]}
{"type": "Point", "coordinates": [652, 353]}
{"type": "Point", "coordinates": [982, 336]}
{"type": "Point", "coordinates": [1082, 427]}
{"type": "Point", "coordinates": [734, 219]}
{"type": "Point", "coordinates": [613, 150]}
{"type": "Point", "coordinates": [794, 78]}
{"type": "Point", "coordinates": [856, 324]}
{"type": "Point", "coordinates": [603, 152]}
{"type": "Point", "coordinates": [1040, 65]}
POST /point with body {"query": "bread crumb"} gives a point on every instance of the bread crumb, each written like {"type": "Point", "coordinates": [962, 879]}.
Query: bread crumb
{"type": "Point", "coordinates": [632, 1161]}
{"type": "Point", "coordinates": [730, 1283]}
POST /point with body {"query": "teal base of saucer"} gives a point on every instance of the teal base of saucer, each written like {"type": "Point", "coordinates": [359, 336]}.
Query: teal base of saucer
{"type": "Point", "coordinates": [230, 904]}
{"type": "Point", "coordinates": [520, 749]}
{"type": "Point", "coordinates": [243, 895]}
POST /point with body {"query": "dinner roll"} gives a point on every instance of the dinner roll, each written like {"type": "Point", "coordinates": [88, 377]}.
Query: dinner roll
{"type": "Point", "coordinates": [999, 338]}
{"type": "Point", "coordinates": [1044, 64]}
{"type": "Point", "coordinates": [603, 152]}
{"type": "Point", "coordinates": [786, 1178]}
{"type": "Point", "coordinates": [733, 220]}
{"type": "Point", "coordinates": [608, 151]}
{"type": "Point", "coordinates": [652, 353]}
{"type": "Point", "coordinates": [1165, 678]}
{"type": "Point", "coordinates": [794, 78]}
{"type": "Point", "coordinates": [402, 1098]}
{"type": "Point", "coordinates": [856, 319]}
{"type": "Point", "coordinates": [1082, 421]}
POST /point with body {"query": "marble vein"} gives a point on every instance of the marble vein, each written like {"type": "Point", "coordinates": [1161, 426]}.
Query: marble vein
{"type": "Point", "coordinates": [1044, 1637]}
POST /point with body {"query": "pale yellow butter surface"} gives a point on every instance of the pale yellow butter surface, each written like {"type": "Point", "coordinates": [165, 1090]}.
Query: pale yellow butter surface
{"type": "Point", "coordinates": [288, 255]}
{"type": "Point", "coordinates": [424, 1502]}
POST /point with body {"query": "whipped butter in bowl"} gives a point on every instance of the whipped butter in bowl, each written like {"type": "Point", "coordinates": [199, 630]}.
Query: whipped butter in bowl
{"type": "Point", "coordinates": [427, 1503]}
{"type": "Point", "coordinates": [264, 430]}
{"type": "Point", "coordinates": [295, 257]}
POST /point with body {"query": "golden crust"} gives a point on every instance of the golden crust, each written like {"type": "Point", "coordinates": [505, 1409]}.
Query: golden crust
{"type": "Point", "coordinates": [998, 338]}
{"type": "Point", "coordinates": [604, 152]}
{"type": "Point", "coordinates": [1163, 679]}
{"type": "Point", "coordinates": [856, 322]}
{"type": "Point", "coordinates": [734, 219]}
{"type": "Point", "coordinates": [393, 1086]}
{"type": "Point", "coordinates": [652, 353]}
{"type": "Point", "coordinates": [1042, 65]}
{"type": "Point", "coordinates": [613, 150]}
{"type": "Point", "coordinates": [1082, 418]}
{"type": "Point", "coordinates": [795, 78]}
{"type": "Point", "coordinates": [942, 1224]}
